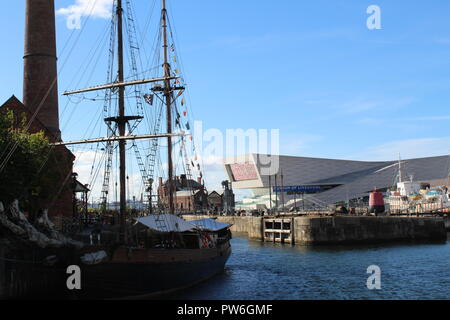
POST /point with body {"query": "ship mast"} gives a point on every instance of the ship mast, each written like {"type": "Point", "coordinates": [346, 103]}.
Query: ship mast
{"type": "Point", "coordinates": [167, 95]}
{"type": "Point", "coordinates": [121, 119]}
{"type": "Point", "coordinates": [121, 123]}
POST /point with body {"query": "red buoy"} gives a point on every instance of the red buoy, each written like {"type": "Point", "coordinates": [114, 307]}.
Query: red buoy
{"type": "Point", "coordinates": [376, 202]}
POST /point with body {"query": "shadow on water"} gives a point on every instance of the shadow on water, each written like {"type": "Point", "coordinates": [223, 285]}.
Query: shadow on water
{"type": "Point", "coordinates": [347, 247]}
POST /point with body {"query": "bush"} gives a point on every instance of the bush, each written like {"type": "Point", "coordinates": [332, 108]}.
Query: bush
{"type": "Point", "coordinates": [29, 173]}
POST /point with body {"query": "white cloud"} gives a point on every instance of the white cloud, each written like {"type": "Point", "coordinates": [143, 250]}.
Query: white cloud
{"type": "Point", "coordinates": [361, 105]}
{"type": "Point", "coordinates": [83, 167]}
{"type": "Point", "coordinates": [429, 118]}
{"type": "Point", "coordinates": [298, 144]}
{"type": "Point", "coordinates": [97, 9]}
{"type": "Point", "coordinates": [412, 148]}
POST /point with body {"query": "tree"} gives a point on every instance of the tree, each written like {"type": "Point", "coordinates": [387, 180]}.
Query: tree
{"type": "Point", "coordinates": [29, 171]}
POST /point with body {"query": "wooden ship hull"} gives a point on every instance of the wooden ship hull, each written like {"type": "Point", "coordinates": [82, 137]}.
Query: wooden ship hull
{"type": "Point", "coordinates": [151, 272]}
{"type": "Point", "coordinates": [129, 274]}
{"type": "Point", "coordinates": [25, 273]}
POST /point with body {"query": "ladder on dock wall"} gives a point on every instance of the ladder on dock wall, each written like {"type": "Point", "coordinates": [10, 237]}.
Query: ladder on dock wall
{"type": "Point", "coordinates": [279, 230]}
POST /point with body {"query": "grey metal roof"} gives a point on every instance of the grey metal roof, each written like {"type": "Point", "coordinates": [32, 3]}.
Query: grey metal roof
{"type": "Point", "coordinates": [424, 169]}
{"type": "Point", "coordinates": [355, 178]}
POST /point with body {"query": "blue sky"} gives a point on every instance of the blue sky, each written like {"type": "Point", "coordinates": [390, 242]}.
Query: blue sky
{"type": "Point", "coordinates": [309, 68]}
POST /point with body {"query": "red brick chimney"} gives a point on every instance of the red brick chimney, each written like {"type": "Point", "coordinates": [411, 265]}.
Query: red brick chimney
{"type": "Point", "coordinates": [40, 69]}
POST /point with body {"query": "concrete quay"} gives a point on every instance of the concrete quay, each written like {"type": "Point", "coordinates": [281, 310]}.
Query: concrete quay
{"type": "Point", "coordinates": [321, 230]}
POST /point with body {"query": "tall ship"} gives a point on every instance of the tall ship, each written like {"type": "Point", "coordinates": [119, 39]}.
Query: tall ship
{"type": "Point", "coordinates": [135, 253]}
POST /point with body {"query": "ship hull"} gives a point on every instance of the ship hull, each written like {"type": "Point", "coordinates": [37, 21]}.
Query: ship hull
{"type": "Point", "coordinates": [141, 274]}
{"type": "Point", "coordinates": [128, 280]}
{"type": "Point", "coordinates": [23, 275]}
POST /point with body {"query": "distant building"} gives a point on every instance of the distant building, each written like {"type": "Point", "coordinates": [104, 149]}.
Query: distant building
{"type": "Point", "coordinates": [228, 198]}
{"type": "Point", "coordinates": [189, 195]}
{"type": "Point", "coordinates": [215, 201]}
{"type": "Point", "coordinates": [314, 183]}
{"type": "Point", "coordinates": [222, 200]}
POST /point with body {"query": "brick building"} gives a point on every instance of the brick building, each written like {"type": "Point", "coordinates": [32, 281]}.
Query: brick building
{"type": "Point", "coordinates": [62, 203]}
{"type": "Point", "coordinates": [222, 201]}
{"type": "Point", "coordinates": [40, 97]}
{"type": "Point", "coordinates": [189, 195]}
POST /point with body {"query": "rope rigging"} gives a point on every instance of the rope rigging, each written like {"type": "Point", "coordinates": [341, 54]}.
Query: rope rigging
{"type": "Point", "coordinates": [142, 100]}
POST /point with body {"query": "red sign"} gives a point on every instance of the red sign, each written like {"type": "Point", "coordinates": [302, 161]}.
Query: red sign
{"type": "Point", "coordinates": [244, 171]}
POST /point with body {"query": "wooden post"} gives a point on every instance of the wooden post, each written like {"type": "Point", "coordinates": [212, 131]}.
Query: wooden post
{"type": "Point", "coordinates": [292, 232]}
{"type": "Point", "coordinates": [281, 231]}
{"type": "Point", "coordinates": [270, 194]}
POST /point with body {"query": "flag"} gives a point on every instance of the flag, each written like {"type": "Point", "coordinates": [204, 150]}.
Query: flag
{"type": "Point", "coordinates": [193, 165]}
{"type": "Point", "coordinates": [185, 113]}
{"type": "Point", "coordinates": [177, 71]}
{"type": "Point", "coordinates": [180, 93]}
{"type": "Point", "coordinates": [175, 59]}
{"type": "Point", "coordinates": [172, 47]}
{"type": "Point", "coordinates": [149, 98]}
{"type": "Point", "coordinates": [182, 101]}
{"type": "Point", "coordinates": [188, 126]}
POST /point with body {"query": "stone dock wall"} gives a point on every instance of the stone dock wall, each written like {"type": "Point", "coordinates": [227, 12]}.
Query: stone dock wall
{"type": "Point", "coordinates": [338, 229]}
{"type": "Point", "coordinates": [253, 226]}
{"type": "Point", "coordinates": [328, 230]}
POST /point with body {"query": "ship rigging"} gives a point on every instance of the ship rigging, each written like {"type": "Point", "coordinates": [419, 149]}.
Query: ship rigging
{"type": "Point", "coordinates": [145, 254]}
{"type": "Point", "coordinates": [167, 89]}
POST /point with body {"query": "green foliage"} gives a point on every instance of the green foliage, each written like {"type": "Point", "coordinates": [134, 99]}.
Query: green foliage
{"type": "Point", "coordinates": [30, 174]}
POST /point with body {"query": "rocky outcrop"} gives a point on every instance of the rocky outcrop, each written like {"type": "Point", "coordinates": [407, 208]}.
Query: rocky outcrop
{"type": "Point", "coordinates": [42, 235]}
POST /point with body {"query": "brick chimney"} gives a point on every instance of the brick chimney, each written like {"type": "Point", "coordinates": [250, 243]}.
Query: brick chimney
{"type": "Point", "coordinates": [40, 69]}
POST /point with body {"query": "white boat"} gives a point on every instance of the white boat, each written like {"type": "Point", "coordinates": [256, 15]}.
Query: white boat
{"type": "Point", "coordinates": [416, 197]}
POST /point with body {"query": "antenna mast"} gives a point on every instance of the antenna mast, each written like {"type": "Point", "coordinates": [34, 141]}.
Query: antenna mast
{"type": "Point", "coordinates": [400, 176]}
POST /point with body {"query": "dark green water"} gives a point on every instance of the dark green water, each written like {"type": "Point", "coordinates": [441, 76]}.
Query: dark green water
{"type": "Point", "coordinates": [267, 271]}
